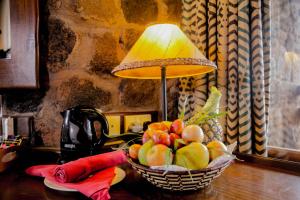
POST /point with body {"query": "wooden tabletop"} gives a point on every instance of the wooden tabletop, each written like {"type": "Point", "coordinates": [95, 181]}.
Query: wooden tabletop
{"type": "Point", "coordinates": [239, 181]}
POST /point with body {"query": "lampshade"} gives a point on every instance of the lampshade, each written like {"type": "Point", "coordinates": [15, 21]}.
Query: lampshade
{"type": "Point", "coordinates": [163, 45]}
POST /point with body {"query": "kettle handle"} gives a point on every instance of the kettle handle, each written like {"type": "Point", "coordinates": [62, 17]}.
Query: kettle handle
{"type": "Point", "coordinates": [102, 119]}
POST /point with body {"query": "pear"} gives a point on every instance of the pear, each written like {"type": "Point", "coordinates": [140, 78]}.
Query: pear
{"type": "Point", "coordinates": [193, 156]}
{"type": "Point", "coordinates": [142, 155]}
{"type": "Point", "coordinates": [216, 148]}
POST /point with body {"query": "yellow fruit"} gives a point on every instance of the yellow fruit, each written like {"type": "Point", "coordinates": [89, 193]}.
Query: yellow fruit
{"type": "Point", "coordinates": [216, 149]}
{"type": "Point", "coordinates": [167, 123]}
{"type": "Point", "coordinates": [142, 156]}
{"type": "Point", "coordinates": [158, 126]}
{"type": "Point", "coordinates": [193, 156]}
{"type": "Point", "coordinates": [134, 151]}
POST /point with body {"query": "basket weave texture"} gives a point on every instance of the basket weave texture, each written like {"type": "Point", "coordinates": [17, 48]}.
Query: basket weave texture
{"type": "Point", "coordinates": [180, 180]}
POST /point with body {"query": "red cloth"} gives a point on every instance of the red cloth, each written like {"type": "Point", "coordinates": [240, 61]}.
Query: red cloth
{"type": "Point", "coordinates": [79, 169]}
{"type": "Point", "coordinates": [96, 186]}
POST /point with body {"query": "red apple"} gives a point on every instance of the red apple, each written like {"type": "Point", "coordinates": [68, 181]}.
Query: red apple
{"type": "Point", "coordinates": [165, 139]}
{"type": "Point", "coordinates": [155, 136]}
{"type": "Point", "coordinates": [177, 126]}
{"type": "Point", "coordinates": [147, 136]}
{"type": "Point", "coordinates": [173, 137]}
{"type": "Point", "coordinates": [161, 137]}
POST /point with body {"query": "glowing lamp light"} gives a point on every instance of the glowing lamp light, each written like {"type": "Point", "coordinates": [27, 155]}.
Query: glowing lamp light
{"type": "Point", "coordinates": [163, 51]}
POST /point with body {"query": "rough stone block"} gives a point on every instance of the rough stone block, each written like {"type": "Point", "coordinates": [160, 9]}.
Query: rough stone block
{"type": "Point", "coordinates": [128, 37]}
{"type": "Point", "coordinates": [140, 11]}
{"type": "Point", "coordinates": [137, 93]}
{"type": "Point", "coordinates": [174, 9]}
{"type": "Point", "coordinates": [105, 58]}
{"type": "Point", "coordinates": [61, 43]}
{"type": "Point", "coordinates": [76, 91]}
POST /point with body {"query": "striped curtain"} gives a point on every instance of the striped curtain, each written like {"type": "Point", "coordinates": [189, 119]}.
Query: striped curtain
{"type": "Point", "coordinates": [235, 34]}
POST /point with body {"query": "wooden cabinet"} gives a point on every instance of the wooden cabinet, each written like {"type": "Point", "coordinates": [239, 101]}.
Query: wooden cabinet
{"type": "Point", "coordinates": [21, 69]}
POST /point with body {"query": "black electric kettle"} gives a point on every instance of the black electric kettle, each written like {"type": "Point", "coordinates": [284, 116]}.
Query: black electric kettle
{"type": "Point", "coordinates": [84, 132]}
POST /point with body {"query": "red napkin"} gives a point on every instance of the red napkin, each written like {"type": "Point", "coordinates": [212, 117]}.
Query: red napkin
{"type": "Point", "coordinates": [79, 169]}
{"type": "Point", "coordinates": [96, 186]}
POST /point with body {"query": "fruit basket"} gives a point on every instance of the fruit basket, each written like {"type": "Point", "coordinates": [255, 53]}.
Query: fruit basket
{"type": "Point", "coordinates": [183, 155]}
{"type": "Point", "coordinates": [180, 180]}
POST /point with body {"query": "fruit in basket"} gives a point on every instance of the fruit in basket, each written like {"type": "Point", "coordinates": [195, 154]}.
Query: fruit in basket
{"type": "Point", "coordinates": [193, 156]}
{"type": "Point", "coordinates": [179, 143]}
{"type": "Point", "coordinates": [216, 148]}
{"type": "Point", "coordinates": [158, 155]}
{"type": "Point", "coordinates": [167, 123]}
{"type": "Point", "coordinates": [161, 137]}
{"type": "Point", "coordinates": [142, 155]}
{"type": "Point", "coordinates": [177, 126]}
{"type": "Point", "coordinates": [192, 133]}
{"type": "Point", "coordinates": [147, 136]}
{"type": "Point", "coordinates": [173, 137]}
{"type": "Point", "coordinates": [158, 126]}
{"type": "Point", "coordinates": [207, 117]}
{"type": "Point", "coordinates": [134, 151]}
{"type": "Point", "coordinates": [212, 130]}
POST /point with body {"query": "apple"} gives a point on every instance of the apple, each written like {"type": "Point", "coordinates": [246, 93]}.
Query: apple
{"type": "Point", "coordinates": [161, 137]}
{"type": "Point", "coordinates": [216, 148]}
{"type": "Point", "coordinates": [173, 137]}
{"type": "Point", "coordinates": [147, 136]}
{"type": "Point", "coordinates": [134, 151]}
{"type": "Point", "coordinates": [164, 138]}
{"type": "Point", "coordinates": [177, 126]}
{"type": "Point", "coordinates": [193, 156]}
{"type": "Point", "coordinates": [158, 155]}
{"type": "Point", "coordinates": [158, 126]}
{"type": "Point", "coordinates": [192, 133]}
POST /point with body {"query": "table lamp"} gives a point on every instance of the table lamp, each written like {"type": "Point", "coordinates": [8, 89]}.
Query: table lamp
{"type": "Point", "coordinates": [163, 51]}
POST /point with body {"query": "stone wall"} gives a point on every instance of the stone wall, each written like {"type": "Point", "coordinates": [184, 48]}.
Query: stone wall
{"type": "Point", "coordinates": [285, 84]}
{"type": "Point", "coordinates": [81, 42]}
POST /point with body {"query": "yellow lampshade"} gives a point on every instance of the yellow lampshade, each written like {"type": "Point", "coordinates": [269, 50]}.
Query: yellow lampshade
{"type": "Point", "coordinates": [163, 45]}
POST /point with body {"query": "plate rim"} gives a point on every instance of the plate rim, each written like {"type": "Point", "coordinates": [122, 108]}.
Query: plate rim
{"type": "Point", "coordinates": [120, 174]}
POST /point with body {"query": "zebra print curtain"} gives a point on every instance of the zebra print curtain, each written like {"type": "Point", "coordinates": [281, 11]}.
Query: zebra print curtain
{"type": "Point", "coordinates": [235, 34]}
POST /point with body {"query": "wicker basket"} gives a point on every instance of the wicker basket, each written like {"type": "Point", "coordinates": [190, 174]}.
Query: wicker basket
{"type": "Point", "coordinates": [180, 180]}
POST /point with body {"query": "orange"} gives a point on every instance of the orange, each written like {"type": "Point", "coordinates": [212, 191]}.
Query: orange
{"type": "Point", "coordinates": [134, 151]}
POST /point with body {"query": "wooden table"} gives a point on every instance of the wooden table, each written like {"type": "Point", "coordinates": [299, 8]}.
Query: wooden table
{"type": "Point", "coordinates": [239, 181]}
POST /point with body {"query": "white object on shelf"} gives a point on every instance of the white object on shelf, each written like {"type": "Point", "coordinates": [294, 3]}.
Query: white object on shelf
{"type": "Point", "coordinates": [7, 127]}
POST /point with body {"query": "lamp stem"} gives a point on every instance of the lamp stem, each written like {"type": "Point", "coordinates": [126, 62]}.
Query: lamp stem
{"type": "Point", "coordinates": [164, 93]}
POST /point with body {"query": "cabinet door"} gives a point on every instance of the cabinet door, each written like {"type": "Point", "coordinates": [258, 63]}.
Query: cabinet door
{"type": "Point", "coordinates": [20, 69]}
